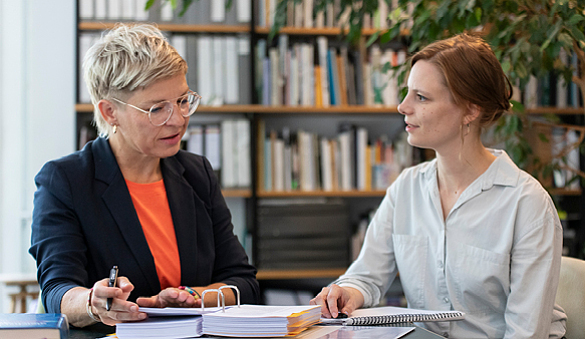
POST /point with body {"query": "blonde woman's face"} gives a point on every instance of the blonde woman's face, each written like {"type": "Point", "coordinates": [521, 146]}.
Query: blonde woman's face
{"type": "Point", "coordinates": [137, 135]}
{"type": "Point", "coordinates": [432, 118]}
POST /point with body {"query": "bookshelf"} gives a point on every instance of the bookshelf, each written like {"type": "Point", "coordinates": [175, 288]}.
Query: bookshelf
{"type": "Point", "coordinates": [278, 115]}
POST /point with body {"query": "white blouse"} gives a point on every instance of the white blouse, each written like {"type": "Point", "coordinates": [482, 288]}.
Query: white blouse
{"type": "Point", "coordinates": [495, 257]}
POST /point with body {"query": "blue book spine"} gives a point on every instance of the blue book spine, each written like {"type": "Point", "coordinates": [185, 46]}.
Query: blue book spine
{"type": "Point", "coordinates": [43, 325]}
{"type": "Point", "coordinates": [331, 79]}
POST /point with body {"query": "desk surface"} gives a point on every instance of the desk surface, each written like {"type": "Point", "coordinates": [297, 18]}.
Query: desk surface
{"type": "Point", "coordinates": [100, 331]}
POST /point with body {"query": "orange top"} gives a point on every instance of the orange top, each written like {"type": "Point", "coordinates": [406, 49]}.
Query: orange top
{"type": "Point", "coordinates": [154, 213]}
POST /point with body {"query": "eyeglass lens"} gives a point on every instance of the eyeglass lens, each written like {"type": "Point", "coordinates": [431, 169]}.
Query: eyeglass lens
{"type": "Point", "coordinates": [162, 111]}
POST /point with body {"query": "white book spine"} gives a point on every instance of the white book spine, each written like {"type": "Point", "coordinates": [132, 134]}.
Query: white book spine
{"type": "Point", "coordinates": [101, 9]}
{"type": "Point", "coordinates": [361, 149]}
{"type": "Point", "coordinates": [243, 152]}
{"type": "Point", "coordinates": [322, 49]}
{"type": "Point", "coordinates": [212, 146]}
{"type": "Point", "coordinates": [141, 13]}
{"type": "Point", "coordinates": [308, 13]}
{"type": "Point", "coordinates": [262, 13]}
{"type": "Point", "coordinates": [218, 10]}
{"type": "Point", "coordinates": [305, 79]}
{"type": "Point", "coordinates": [303, 160]}
{"type": "Point", "coordinates": [205, 77]}
{"type": "Point", "coordinates": [276, 78]}
{"type": "Point", "coordinates": [326, 168]}
{"type": "Point", "coordinates": [368, 88]}
{"type": "Point", "coordinates": [86, 9]}
{"type": "Point", "coordinates": [278, 165]}
{"type": "Point", "coordinates": [345, 163]}
{"type": "Point", "coordinates": [128, 9]}
{"type": "Point", "coordinates": [166, 12]}
{"type": "Point", "coordinates": [195, 141]}
{"type": "Point", "coordinates": [85, 42]}
{"type": "Point", "coordinates": [244, 11]}
{"type": "Point", "coordinates": [228, 178]}
{"type": "Point", "coordinates": [218, 63]}
{"type": "Point", "coordinates": [114, 10]}
{"type": "Point", "coordinates": [299, 14]}
{"type": "Point", "coordinates": [320, 19]}
{"type": "Point", "coordinates": [294, 79]}
{"type": "Point", "coordinates": [330, 15]}
{"type": "Point", "coordinates": [179, 42]}
{"type": "Point", "coordinates": [232, 70]}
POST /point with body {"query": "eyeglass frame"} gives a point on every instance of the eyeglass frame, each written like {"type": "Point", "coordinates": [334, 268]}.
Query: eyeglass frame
{"type": "Point", "coordinates": [189, 92]}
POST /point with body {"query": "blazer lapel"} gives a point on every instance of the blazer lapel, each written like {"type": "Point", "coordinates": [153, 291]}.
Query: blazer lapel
{"type": "Point", "coordinates": [182, 205]}
{"type": "Point", "coordinates": [118, 200]}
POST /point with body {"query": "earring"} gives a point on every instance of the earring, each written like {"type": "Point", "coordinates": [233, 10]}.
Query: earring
{"type": "Point", "coordinates": [468, 129]}
{"type": "Point", "coordinates": [115, 129]}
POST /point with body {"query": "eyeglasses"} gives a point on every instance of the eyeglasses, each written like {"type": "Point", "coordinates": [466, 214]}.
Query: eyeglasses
{"type": "Point", "coordinates": [161, 112]}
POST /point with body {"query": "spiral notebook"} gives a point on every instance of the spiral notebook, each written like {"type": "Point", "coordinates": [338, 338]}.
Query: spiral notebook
{"type": "Point", "coordinates": [391, 315]}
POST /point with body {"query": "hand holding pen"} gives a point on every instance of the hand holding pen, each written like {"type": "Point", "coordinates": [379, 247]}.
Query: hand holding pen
{"type": "Point", "coordinates": [108, 300]}
{"type": "Point", "coordinates": [112, 283]}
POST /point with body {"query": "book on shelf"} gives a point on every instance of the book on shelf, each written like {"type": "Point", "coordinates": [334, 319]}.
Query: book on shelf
{"type": "Point", "coordinates": [393, 315]}
{"type": "Point", "coordinates": [33, 326]}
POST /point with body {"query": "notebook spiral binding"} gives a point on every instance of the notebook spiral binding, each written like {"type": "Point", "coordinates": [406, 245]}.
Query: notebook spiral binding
{"type": "Point", "coordinates": [403, 318]}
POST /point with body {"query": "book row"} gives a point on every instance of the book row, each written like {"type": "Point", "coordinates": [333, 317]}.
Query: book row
{"type": "Point", "coordinates": [322, 75]}
{"type": "Point", "coordinates": [227, 147]}
{"type": "Point", "coordinates": [305, 161]}
{"type": "Point", "coordinates": [199, 12]}
{"type": "Point", "coordinates": [219, 66]}
{"type": "Point", "coordinates": [305, 14]}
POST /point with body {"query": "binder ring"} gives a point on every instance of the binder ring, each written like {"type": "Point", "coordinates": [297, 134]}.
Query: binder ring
{"type": "Point", "coordinates": [237, 292]}
{"type": "Point", "coordinates": [220, 292]}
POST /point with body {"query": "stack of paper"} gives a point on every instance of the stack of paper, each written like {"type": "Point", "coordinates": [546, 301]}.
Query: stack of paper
{"type": "Point", "coordinates": [161, 327]}
{"type": "Point", "coordinates": [261, 321]}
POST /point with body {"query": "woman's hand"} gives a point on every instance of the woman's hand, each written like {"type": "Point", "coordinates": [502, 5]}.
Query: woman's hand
{"type": "Point", "coordinates": [170, 297]}
{"type": "Point", "coordinates": [335, 299]}
{"type": "Point", "coordinates": [122, 310]}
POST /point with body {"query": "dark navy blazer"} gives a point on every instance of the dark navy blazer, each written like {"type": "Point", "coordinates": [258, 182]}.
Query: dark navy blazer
{"type": "Point", "coordinates": [84, 222]}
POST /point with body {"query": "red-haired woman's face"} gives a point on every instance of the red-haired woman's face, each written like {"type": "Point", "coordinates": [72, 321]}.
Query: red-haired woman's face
{"type": "Point", "coordinates": [433, 120]}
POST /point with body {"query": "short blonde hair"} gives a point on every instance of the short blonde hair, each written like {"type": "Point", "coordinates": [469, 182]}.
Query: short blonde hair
{"type": "Point", "coordinates": [126, 58]}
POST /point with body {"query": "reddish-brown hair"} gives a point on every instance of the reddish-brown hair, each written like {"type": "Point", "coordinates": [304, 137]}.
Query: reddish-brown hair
{"type": "Point", "coordinates": [472, 73]}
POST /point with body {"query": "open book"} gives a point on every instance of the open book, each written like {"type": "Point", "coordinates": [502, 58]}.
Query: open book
{"type": "Point", "coordinates": [391, 315]}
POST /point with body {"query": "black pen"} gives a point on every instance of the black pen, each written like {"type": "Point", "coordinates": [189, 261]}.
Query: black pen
{"type": "Point", "coordinates": [112, 283]}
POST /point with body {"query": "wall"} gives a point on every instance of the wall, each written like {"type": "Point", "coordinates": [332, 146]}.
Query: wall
{"type": "Point", "coordinates": [37, 69]}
